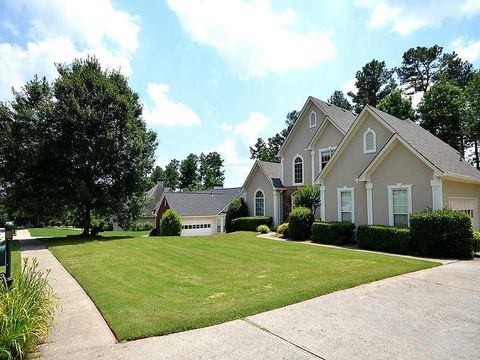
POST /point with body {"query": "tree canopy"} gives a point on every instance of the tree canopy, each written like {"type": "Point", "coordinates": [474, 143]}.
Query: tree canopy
{"type": "Point", "coordinates": [397, 105]}
{"type": "Point", "coordinates": [338, 99]}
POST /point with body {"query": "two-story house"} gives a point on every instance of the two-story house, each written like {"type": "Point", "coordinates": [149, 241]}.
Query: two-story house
{"type": "Point", "coordinates": [371, 169]}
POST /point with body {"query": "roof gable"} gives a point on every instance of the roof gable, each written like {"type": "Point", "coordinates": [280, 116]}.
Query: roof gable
{"type": "Point", "coordinates": [272, 172]}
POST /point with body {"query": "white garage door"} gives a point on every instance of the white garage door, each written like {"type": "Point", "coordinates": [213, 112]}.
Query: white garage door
{"type": "Point", "coordinates": [467, 205]}
{"type": "Point", "coordinates": [198, 227]}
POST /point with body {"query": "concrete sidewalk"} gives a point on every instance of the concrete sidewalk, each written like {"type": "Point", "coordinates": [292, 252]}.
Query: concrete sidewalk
{"type": "Point", "coordinates": [431, 314]}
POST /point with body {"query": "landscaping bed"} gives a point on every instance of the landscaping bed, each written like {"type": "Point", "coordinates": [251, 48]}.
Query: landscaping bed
{"type": "Point", "coordinates": [160, 285]}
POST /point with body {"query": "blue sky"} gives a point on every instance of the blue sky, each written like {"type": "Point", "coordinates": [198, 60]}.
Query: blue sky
{"type": "Point", "coordinates": [217, 74]}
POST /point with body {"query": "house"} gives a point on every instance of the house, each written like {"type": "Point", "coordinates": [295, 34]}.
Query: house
{"type": "Point", "coordinates": [371, 169]}
{"type": "Point", "coordinates": [202, 212]}
{"type": "Point", "coordinates": [153, 197]}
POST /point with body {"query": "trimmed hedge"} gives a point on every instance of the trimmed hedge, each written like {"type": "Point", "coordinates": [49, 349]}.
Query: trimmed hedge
{"type": "Point", "coordinates": [333, 233]}
{"type": "Point", "coordinates": [283, 230]}
{"type": "Point", "coordinates": [300, 223]}
{"type": "Point", "coordinates": [237, 208]}
{"type": "Point", "coordinates": [476, 242]}
{"type": "Point", "coordinates": [384, 238]}
{"type": "Point", "coordinates": [250, 223]}
{"type": "Point", "coordinates": [442, 233]}
{"type": "Point", "coordinates": [171, 224]}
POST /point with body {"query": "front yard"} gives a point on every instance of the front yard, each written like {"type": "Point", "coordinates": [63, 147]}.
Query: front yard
{"type": "Point", "coordinates": [61, 232]}
{"type": "Point", "coordinates": [159, 285]}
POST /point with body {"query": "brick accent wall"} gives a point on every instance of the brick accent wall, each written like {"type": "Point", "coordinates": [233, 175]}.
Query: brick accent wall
{"type": "Point", "coordinates": [163, 207]}
{"type": "Point", "coordinates": [287, 201]}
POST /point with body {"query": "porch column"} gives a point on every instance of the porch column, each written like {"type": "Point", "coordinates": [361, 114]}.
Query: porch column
{"type": "Point", "coordinates": [369, 187]}
{"type": "Point", "coordinates": [275, 208]}
{"type": "Point", "coordinates": [312, 156]}
{"type": "Point", "coordinates": [222, 223]}
{"type": "Point", "coordinates": [322, 203]}
{"type": "Point", "coordinates": [437, 194]}
{"type": "Point", "coordinates": [281, 169]}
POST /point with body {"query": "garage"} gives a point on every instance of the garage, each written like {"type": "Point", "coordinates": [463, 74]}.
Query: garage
{"type": "Point", "coordinates": [466, 205]}
{"type": "Point", "coordinates": [198, 226]}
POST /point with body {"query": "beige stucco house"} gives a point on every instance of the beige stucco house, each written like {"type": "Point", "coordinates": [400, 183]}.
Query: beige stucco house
{"type": "Point", "coordinates": [371, 169]}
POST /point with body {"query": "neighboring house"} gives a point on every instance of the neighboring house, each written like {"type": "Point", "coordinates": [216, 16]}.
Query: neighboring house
{"type": "Point", "coordinates": [202, 212]}
{"type": "Point", "coordinates": [371, 169]}
{"type": "Point", "coordinates": [153, 195]}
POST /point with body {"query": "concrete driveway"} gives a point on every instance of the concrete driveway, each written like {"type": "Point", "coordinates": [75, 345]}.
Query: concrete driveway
{"type": "Point", "coordinates": [431, 314]}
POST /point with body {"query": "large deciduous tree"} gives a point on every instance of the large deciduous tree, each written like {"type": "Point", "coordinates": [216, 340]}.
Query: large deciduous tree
{"type": "Point", "coordinates": [373, 82]}
{"type": "Point", "coordinates": [418, 67]}
{"type": "Point", "coordinates": [338, 99]}
{"type": "Point", "coordinates": [443, 113]}
{"type": "Point", "coordinates": [397, 105]}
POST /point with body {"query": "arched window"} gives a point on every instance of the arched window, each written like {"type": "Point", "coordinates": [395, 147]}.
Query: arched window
{"type": "Point", "coordinates": [298, 170]}
{"type": "Point", "coordinates": [369, 141]}
{"type": "Point", "coordinates": [313, 119]}
{"type": "Point", "coordinates": [259, 203]}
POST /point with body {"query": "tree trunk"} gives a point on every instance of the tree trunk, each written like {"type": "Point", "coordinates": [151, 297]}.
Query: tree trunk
{"type": "Point", "coordinates": [87, 220]}
{"type": "Point", "coordinates": [477, 160]}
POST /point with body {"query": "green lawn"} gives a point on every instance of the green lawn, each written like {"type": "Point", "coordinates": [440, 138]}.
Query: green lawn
{"type": "Point", "coordinates": [62, 232]}
{"type": "Point", "coordinates": [16, 258]}
{"type": "Point", "coordinates": [159, 285]}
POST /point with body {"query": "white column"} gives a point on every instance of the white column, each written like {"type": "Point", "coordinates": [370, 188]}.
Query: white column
{"type": "Point", "coordinates": [437, 194]}
{"type": "Point", "coordinates": [222, 223]}
{"type": "Point", "coordinates": [312, 156]}
{"type": "Point", "coordinates": [281, 169]}
{"type": "Point", "coordinates": [322, 203]}
{"type": "Point", "coordinates": [275, 208]}
{"type": "Point", "coordinates": [369, 187]}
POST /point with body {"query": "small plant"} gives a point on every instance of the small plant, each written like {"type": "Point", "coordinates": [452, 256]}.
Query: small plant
{"type": "Point", "coordinates": [171, 223]}
{"type": "Point", "coordinates": [307, 196]}
{"type": "Point", "coordinates": [263, 229]}
{"type": "Point", "coordinates": [236, 209]}
{"type": "Point", "coordinates": [283, 230]}
{"type": "Point", "coordinates": [300, 223]}
{"type": "Point", "coordinates": [27, 312]}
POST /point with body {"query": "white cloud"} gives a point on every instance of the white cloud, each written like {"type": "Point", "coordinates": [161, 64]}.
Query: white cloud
{"type": "Point", "coordinates": [468, 50]}
{"type": "Point", "coordinates": [349, 86]}
{"type": "Point", "coordinates": [235, 147]}
{"type": "Point", "coordinates": [406, 17]}
{"type": "Point", "coordinates": [253, 37]}
{"type": "Point", "coordinates": [165, 111]}
{"type": "Point", "coordinates": [225, 127]}
{"type": "Point", "coordinates": [59, 31]}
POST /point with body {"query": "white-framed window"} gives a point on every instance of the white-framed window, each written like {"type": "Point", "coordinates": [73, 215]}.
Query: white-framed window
{"type": "Point", "coordinates": [346, 204]}
{"type": "Point", "coordinates": [399, 204]}
{"type": "Point", "coordinates": [259, 203]}
{"type": "Point", "coordinates": [369, 141]}
{"type": "Point", "coordinates": [325, 155]}
{"type": "Point", "coordinates": [313, 119]}
{"type": "Point", "coordinates": [298, 170]}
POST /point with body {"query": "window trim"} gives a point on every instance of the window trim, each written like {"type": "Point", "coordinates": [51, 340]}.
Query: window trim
{"type": "Point", "coordinates": [390, 189]}
{"type": "Point", "coordinates": [312, 125]}
{"type": "Point", "coordinates": [293, 170]}
{"type": "Point", "coordinates": [365, 150]}
{"type": "Point", "coordinates": [330, 148]}
{"type": "Point", "coordinates": [255, 202]}
{"type": "Point", "coordinates": [339, 209]}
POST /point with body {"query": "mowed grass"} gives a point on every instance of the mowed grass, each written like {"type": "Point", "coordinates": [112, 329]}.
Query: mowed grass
{"type": "Point", "coordinates": [159, 285]}
{"type": "Point", "coordinates": [62, 232]}
{"type": "Point", "coordinates": [16, 258]}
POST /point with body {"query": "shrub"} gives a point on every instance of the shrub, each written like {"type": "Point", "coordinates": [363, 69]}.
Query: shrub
{"type": "Point", "coordinates": [154, 232]}
{"type": "Point", "coordinates": [141, 226]}
{"type": "Point", "coordinates": [250, 223]}
{"type": "Point", "coordinates": [171, 223]}
{"type": "Point", "coordinates": [300, 223]}
{"type": "Point", "coordinates": [384, 238]}
{"type": "Point", "coordinates": [307, 196]}
{"type": "Point", "coordinates": [442, 233]}
{"type": "Point", "coordinates": [283, 230]}
{"type": "Point", "coordinates": [237, 208]}
{"type": "Point", "coordinates": [476, 242]}
{"type": "Point", "coordinates": [334, 233]}
{"type": "Point", "coordinates": [263, 229]}
{"type": "Point", "coordinates": [26, 312]}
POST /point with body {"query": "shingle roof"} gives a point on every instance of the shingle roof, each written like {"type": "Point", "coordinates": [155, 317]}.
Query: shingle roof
{"type": "Point", "coordinates": [154, 195]}
{"type": "Point", "coordinates": [436, 151]}
{"type": "Point", "coordinates": [341, 117]}
{"type": "Point", "coordinates": [201, 203]}
{"type": "Point", "coordinates": [273, 171]}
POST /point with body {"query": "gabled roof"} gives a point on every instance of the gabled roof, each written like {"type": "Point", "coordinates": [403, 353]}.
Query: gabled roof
{"type": "Point", "coordinates": [154, 195]}
{"type": "Point", "coordinates": [272, 171]}
{"type": "Point", "coordinates": [423, 144]}
{"type": "Point", "coordinates": [200, 203]}
{"type": "Point", "coordinates": [436, 151]}
{"type": "Point", "coordinates": [342, 118]}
